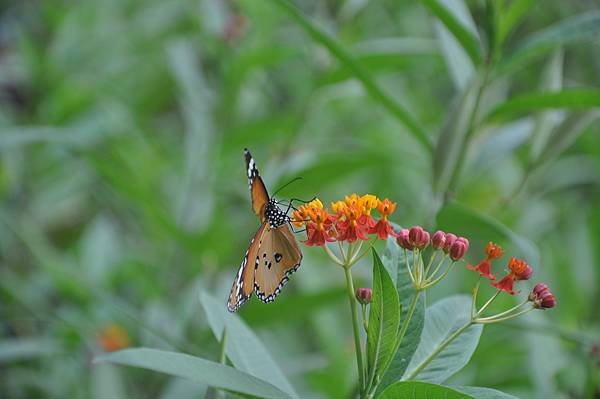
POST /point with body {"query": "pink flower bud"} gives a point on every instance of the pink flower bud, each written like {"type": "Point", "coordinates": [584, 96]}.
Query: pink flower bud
{"type": "Point", "coordinates": [466, 241]}
{"type": "Point", "coordinates": [542, 297]}
{"type": "Point", "coordinates": [450, 238]}
{"type": "Point", "coordinates": [418, 237]}
{"type": "Point", "coordinates": [458, 250]}
{"type": "Point", "coordinates": [364, 295]}
{"type": "Point", "coordinates": [438, 239]}
{"type": "Point", "coordinates": [403, 239]}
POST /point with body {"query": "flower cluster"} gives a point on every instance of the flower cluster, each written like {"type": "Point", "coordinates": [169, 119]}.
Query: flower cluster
{"type": "Point", "coordinates": [518, 269]}
{"type": "Point", "coordinates": [349, 220]}
{"type": "Point", "coordinates": [416, 239]}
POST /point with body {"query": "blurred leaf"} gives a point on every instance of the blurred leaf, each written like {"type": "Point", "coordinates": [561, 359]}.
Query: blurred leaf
{"type": "Point", "coordinates": [243, 348]}
{"type": "Point", "coordinates": [107, 382]}
{"type": "Point", "coordinates": [453, 139]}
{"type": "Point", "coordinates": [585, 26]}
{"type": "Point", "coordinates": [484, 393]}
{"type": "Point", "coordinates": [566, 133]}
{"type": "Point", "coordinates": [179, 388]}
{"type": "Point", "coordinates": [448, 14]}
{"type": "Point", "coordinates": [517, 9]}
{"type": "Point", "coordinates": [528, 102]}
{"type": "Point", "coordinates": [420, 390]}
{"type": "Point", "coordinates": [369, 84]}
{"type": "Point", "coordinates": [393, 258]}
{"type": "Point", "coordinates": [552, 80]}
{"type": "Point", "coordinates": [442, 319]}
{"type": "Point", "coordinates": [384, 319]}
{"type": "Point", "coordinates": [196, 369]}
{"type": "Point", "coordinates": [26, 348]}
{"type": "Point", "coordinates": [293, 308]}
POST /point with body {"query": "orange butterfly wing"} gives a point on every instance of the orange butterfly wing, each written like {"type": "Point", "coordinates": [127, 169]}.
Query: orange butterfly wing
{"type": "Point", "coordinates": [258, 191]}
{"type": "Point", "coordinates": [278, 257]}
{"type": "Point", "coordinates": [243, 285]}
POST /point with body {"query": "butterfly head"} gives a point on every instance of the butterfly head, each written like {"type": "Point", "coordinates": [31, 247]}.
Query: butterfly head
{"type": "Point", "coordinates": [274, 215]}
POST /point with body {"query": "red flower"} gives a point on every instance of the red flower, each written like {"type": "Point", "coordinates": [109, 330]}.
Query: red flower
{"type": "Point", "coordinates": [383, 228]}
{"type": "Point", "coordinates": [493, 251]}
{"type": "Point", "coordinates": [354, 226]}
{"type": "Point", "coordinates": [506, 284]}
{"type": "Point", "coordinates": [520, 269]}
{"type": "Point", "coordinates": [484, 268]}
{"type": "Point", "coordinates": [319, 229]}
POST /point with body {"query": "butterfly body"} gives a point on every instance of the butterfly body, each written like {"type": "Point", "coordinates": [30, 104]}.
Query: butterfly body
{"type": "Point", "coordinates": [273, 254]}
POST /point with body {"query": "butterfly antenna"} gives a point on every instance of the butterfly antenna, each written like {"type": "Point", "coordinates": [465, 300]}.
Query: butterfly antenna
{"type": "Point", "coordinates": [286, 184]}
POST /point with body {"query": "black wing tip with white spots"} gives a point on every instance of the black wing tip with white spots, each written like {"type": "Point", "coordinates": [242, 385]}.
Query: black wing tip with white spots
{"type": "Point", "coordinates": [270, 298]}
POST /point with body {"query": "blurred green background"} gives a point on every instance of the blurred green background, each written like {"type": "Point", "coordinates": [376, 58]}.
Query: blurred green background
{"type": "Point", "coordinates": [122, 125]}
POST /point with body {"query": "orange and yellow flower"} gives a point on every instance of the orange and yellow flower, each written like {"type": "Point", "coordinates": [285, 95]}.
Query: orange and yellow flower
{"type": "Point", "coordinates": [350, 219]}
{"type": "Point", "coordinates": [113, 338]}
{"type": "Point", "coordinates": [383, 228]}
{"type": "Point", "coordinates": [518, 270]}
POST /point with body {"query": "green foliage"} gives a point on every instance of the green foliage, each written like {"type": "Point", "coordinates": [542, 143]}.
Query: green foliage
{"type": "Point", "coordinates": [124, 194]}
{"type": "Point", "coordinates": [394, 260]}
{"type": "Point", "coordinates": [384, 322]}
{"type": "Point", "coordinates": [414, 390]}
{"type": "Point", "coordinates": [195, 369]}
{"type": "Point", "coordinates": [443, 319]}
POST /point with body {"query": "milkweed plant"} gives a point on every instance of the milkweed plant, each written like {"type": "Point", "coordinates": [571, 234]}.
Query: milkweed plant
{"type": "Point", "coordinates": [403, 348]}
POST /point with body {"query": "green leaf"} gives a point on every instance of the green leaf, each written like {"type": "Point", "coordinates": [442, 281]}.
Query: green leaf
{"type": "Point", "coordinates": [552, 80]}
{"type": "Point", "coordinates": [442, 320]}
{"type": "Point", "coordinates": [196, 369]}
{"type": "Point", "coordinates": [420, 390]}
{"type": "Point", "coordinates": [580, 27]}
{"type": "Point", "coordinates": [388, 102]}
{"type": "Point", "coordinates": [452, 140]}
{"type": "Point", "coordinates": [466, 37]}
{"type": "Point", "coordinates": [243, 348]}
{"type": "Point", "coordinates": [384, 319]}
{"type": "Point", "coordinates": [107, 382]}
{"type": "Point", "coordinates": [393, 259]}
{"type": "Point", "coordinates": [484, 393]}
{"type": "Point", "coordinates": [563, 135]}
{"type": "Point", "coordinates": [26, 348]}
{"type": "Point", "coordinates": [509, 19]}
{"type": "Point", "coordinates": [528, 102]}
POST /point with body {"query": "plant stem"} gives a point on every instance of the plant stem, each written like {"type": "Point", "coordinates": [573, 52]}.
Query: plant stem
{"type": "Point", "coordinates": [505, 312]}
{"type": "Point", "coordinates": [332, 255]}
{"type": "Point", "coordinates": [356, 329]}
{"type": "Point", "coordinates": [440, 348]}
{"type": "Point", "coordinates": [437, 268]}
{"type": "Point", "coordinates": [412, 278]}
{"type": "Point", "coordinates": [437, 280]}
{"type": "Point", "coordinates": [364, 317]}
{"type": "Point", "coordinates": [475, 292]}
{"type": "Point", "coordinates": [496, 319]}
{"type": "Point", "coordinates": [484, 307]}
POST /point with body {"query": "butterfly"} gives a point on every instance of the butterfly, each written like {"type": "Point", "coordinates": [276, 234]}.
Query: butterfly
{"type": "Point", "coordinates": [273, 254]}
